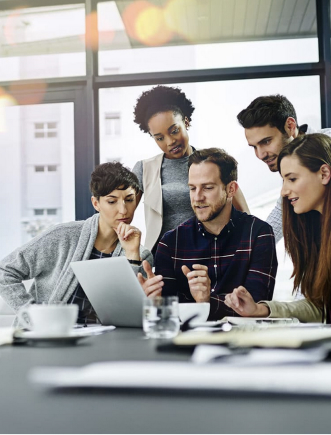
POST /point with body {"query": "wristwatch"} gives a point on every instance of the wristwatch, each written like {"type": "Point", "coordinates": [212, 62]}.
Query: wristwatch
{"type": "Point", "coordinates": [135, 262]}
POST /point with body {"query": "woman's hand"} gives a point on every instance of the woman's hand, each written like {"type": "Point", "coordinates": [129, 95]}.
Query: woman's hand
{"type": "Point", "coordinates": [129, 237]}
{"type": "Point", "coordinates": [241, 301]}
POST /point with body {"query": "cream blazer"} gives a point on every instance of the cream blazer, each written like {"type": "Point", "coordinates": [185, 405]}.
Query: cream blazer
{"type": "Point", "coordinates": [152, 199]}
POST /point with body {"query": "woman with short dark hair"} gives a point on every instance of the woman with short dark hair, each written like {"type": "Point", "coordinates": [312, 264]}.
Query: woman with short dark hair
{"type": "Point", "coordinates": [47, 257]}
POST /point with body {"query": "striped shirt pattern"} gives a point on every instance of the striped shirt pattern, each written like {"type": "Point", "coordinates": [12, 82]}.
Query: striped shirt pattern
{"type": "Point", "coordinates": [242, 254]}
{"type": "Point", "coordinates": [86, 313]}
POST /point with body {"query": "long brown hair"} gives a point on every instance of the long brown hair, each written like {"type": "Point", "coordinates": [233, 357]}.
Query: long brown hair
{"type": "Point", "coordinates": [308, 235]}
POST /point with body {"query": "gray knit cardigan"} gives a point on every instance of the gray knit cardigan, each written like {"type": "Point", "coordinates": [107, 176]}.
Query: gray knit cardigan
{"type": "Point", "coordinates": [47, 258]}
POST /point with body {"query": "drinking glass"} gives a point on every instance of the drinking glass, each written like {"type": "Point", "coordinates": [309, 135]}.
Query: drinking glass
{"type": "Point", "coordinates": [160, 317]}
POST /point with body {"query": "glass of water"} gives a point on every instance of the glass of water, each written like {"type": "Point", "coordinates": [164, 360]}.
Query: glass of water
{"type": "Point", "coordinates": [160, 317]}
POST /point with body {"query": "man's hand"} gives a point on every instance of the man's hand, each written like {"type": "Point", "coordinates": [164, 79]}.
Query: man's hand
{"type": "Point", "coordinates": [129, 237]}
{"type": "Point", "coordinates": [198, 281]}
{"type": "Point", "coordinates": [241, 301]}
{"type": "Point", "coordinates": [152, 285]}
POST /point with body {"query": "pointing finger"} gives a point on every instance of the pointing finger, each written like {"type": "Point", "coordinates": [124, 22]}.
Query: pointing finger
{"type": "Point", "coordinates": [185, 270]}
{"type": "Point", "coordinates": [148, 269]}
{"type": "Point", "coordinates": [141, 279]}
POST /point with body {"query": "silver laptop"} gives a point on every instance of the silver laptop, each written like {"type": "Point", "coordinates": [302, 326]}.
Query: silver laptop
{"type": "Point", "coordinates": [113, 290]}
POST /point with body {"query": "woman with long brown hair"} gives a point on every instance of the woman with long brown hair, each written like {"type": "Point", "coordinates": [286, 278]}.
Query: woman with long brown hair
{"type": "Point", "coordinates": [305, 166]}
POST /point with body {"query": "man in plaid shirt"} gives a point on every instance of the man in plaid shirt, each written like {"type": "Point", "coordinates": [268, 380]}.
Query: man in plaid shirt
{"type": "Point", "coordinates": [220, 248]}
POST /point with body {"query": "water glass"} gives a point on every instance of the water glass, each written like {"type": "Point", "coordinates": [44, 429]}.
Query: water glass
{"type": "Point", "coordinates": [160, 317]}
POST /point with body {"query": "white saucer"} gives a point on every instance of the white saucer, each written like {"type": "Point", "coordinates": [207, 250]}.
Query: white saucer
{"type": "Point", "coordinates": [24, 336]}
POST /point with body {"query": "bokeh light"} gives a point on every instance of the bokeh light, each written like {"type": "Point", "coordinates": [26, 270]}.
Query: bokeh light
{"type": "Point", "coordinates": [6, 100]}
{"type": "Point", "coordinates": [175, 13]}
{"type": "Point", "coordinates": [32, 93]}
{"type": "Point", "coordinates": [11, 26]}
{"type": "Point", "coordinates": [152, 28]}
{"type": "Point", "coordinates": [91, 36]}
{"type": "Point", "coordinates": [146, 23]}
{"type": "Point", "coordinates": [131, 14]}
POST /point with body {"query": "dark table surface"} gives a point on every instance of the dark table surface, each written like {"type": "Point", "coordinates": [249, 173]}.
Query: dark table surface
{"type": "Point", "coordinates": [26, 409]}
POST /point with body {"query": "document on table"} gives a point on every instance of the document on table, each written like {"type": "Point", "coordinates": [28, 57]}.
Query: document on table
{"type": "Point", "coordinates": [246, 322]}
{"type": "Point", "coordinates": [292, 379]}
{"type": "Point", "coordinates": [93, 329]}
{"type": "Point", "coordinates": [239, 321]}
{"type": "Point", "coordinates": [206, 353]}
{"type": "Point", "coordinates": [271, 337]}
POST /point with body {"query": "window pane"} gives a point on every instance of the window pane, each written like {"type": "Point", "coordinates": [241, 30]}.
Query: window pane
{"type": "Point", "coordinates": [182, 35]}
{"type": "Point", "coordinates": [214, 124]}
{"type": "Point", "coordinates": [40, 195]}
{"type": "Point", "coordinates": [42, 42]}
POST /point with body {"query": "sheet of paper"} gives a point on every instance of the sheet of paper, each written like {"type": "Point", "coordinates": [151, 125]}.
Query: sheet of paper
{"type": "Point", "coordinates": [298, 379]}
{"type": "Point", "coordinates": [205, 353]}
{"type": "Point", "coordinates": [260, 320]}
{"type": "Point", "coordinates": [93, 329]}
{"type": "Point", "coordinates": [288, 337]}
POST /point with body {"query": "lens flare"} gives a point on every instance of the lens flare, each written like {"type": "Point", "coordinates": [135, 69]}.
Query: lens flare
{"type": "Point", "coordinates": [32, 93]}
{"type": "Point", "coordinates": [131, 14]}
{"type": "Point", "coordinates": [6, 100]}
{"type": "Point", "coordinates": [91, 36]}
{"type": "Point", "coordinates": [175, 13]}
{"type": "Point", "coordinates": [152, 28]}
{"type": "Point", "coordinates": [11, 26]}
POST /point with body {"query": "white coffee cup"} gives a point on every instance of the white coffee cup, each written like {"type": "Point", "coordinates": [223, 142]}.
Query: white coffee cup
{"type": "Point", "coordinates": [200, 309]}
{"type": "Point", "coordinates": [49, 320]}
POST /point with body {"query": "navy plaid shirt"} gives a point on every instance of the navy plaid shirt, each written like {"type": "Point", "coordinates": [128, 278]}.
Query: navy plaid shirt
{"type": "Point", "coordinates": [242, 254]}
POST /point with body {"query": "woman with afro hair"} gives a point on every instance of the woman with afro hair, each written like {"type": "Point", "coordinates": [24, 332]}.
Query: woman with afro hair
{"type": "Point", "coordinates": [165, 114]}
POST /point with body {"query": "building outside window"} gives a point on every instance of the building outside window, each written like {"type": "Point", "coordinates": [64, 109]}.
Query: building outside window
{"type": "Point", "coordinates": [45, 129]}
{"type": "Point", "coordinates": [45, 211]}
{"type": "Point", "coordinates": [112, 124]}
{"type": "Point", "coordinates": [45, 168]}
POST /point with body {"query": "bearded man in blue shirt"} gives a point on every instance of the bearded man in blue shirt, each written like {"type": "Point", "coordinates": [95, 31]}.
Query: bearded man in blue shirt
{"type": "Point", "coordinates": [219, 249]}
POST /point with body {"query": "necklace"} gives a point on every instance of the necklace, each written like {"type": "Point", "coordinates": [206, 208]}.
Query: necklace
{"type": "Point", "coordinates": [106, 250]}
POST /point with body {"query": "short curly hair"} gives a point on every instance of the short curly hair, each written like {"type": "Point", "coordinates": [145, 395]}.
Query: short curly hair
{"type": "Point", "coordinates": [111, 176]}
{"type": "Point", "coordinates": [161, 99]}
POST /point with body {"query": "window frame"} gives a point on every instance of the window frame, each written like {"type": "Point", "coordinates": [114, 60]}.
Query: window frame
{"type": "Point", "coordinates": [83, 91]}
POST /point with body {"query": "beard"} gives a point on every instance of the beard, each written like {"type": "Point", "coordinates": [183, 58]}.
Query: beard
{"type": "Point", "coordinates": [215, 211]}
{"type": "Point", "coordinates": [285, 140]}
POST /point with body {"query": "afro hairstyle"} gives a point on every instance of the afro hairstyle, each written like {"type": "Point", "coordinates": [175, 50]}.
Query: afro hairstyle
{"type": "Point", "coordinates": [161, 99]}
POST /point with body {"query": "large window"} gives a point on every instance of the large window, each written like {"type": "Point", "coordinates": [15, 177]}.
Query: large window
{"type": "Point", "coordinates": [37, 181]}
{"type": "Point", "coordinates": [42, 42]}
{"type": "Point", "coordinates": [173, 35]}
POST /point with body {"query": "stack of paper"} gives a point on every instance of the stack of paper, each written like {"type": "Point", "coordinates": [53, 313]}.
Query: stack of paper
{"type": "Point", "coordinates": [285, 337]}
{"type": "Point", "coordinates": [293, 379]}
